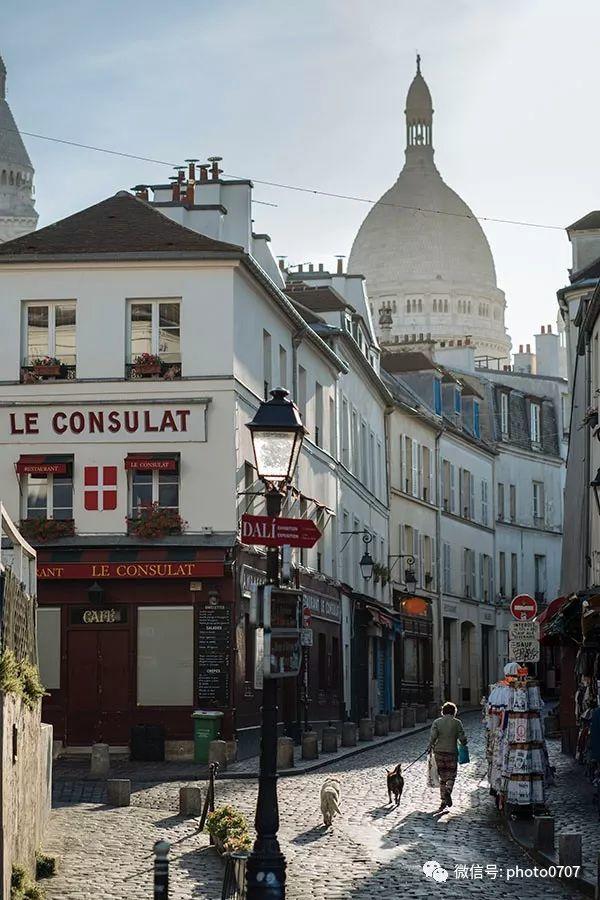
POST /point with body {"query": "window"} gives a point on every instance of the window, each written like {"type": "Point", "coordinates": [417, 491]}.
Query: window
{"type": "Point", "coordinates": [512, 502]}
{"type": "Point", "coordinates": [539, 566]}
{"type": "Point", "coordinates": [469, 572]}
{"type": "Point", "coordinates": [437, 396]}
{"type": "Point", "coordinates": [155, 486]}
{"type": "Point", "coordinates": [49, 497]}
{"type": "Point", "coordinates": [486, 579]}
{"type": "Point", "coordinates": [302, 393]}
{"type": "Point", "coordinates": [500, 502]}
{"type": "Point", "coordinates": [447, 561]}
{"type": "Point", "coordinates": [347, 555]}
{"type": "Point", "coordinates": [48, 637]}
{"type": "Point", "coordinates": [345, 434]}
{"type": "Point", "coordinates": [332, 433]}
{"type": "Point", "coordinates": [514, 579]}
{"type": "Point", "coordinates": [165, 658]}
{"type": "Point", "coordinates": [154, 327]}
{"type": "Point", "coordinates": [267, 372]}
{"type": "Point", "coordinates": [467, 494]}
{"type": "Point", "coordinates": [363, 453]}
{"type": "Point", "coordinates": [504, 424]}
{"type": "Point", "coordinates": [427, 487]}
{"type": "Point", "coordinates": [318, 414]}
{"type": "Point", "coordinates": [283, 367]}
{"type": "Point", "coordinates": [538, 503]}
{"type": "Point", "coordinates": [428, 573]}
{"type": "Point", "coordinates": [50, 331]}
{"type": "Point", "coordinates": [457, 401]}
{"type": "Point", "coordinates": [476, 425]}
{"type": "Point", "coordinates": [484, 502]}
{"type": "Point", "coordinates": [373, 464]}
{"type": "Point", "coordinates": [534, 419]}
{"type": "Point", "coordinates": [502, 573]}
{"type": "Point", "coordinates": [379, 485]}
{"type": "Point", "coordinates": [446, 485]}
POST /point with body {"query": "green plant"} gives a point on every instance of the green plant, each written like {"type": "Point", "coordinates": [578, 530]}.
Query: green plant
{"type": "Point", "coordinates": [32, 688]}
{"type": "Point", "coordinates": [46, 361]}
{"type": "Point", "coordinates": [22, 887]}
{"type": "Point", "coordinates": [154, 521]}
{"type": "Point", "coordinates": [10, 674]}
{"type": "Point", "coordinates": [147, 359]}
{"type": "Point", "coordinates": [40, 530]}
{"type": "Point", "coordinates": [45, 865]}
{"type": "Point", "coordinates": [230, 828]}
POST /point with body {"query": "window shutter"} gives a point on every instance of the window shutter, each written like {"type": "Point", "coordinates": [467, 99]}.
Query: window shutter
{"type": "Point", "coordinates": [444, 466]}
{"type": "Point", "coordinates": [471, 496]}
{"type": "Point", "coordinates": [433, 565]}
{"type": "Point", "coordinates": [452, 488]}
{"type": "Point", "coordinates": [420, 473]}
{"type": "Point", "coordinates": [416, 551]}
{"type": "Point", "coordinates": [430, 491]}
{"type": "Point", "coordinates": [473, 575]}
{"type": "Point", "coordinates": [415, 469]}
{"type": "Point", "coordinates": [402, 462]}
{"type": "Point", "coordinates": [464, 572]}
{"type": "Point", "coordinates": [481, 579]}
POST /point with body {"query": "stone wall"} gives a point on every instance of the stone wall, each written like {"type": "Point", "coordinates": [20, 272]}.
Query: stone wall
{"type": "Point", "coordinates": [25, 785]}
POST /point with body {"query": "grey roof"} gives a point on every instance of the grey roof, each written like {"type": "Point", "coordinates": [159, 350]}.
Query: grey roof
{"type": "Point", "coordinates": [12, 148]}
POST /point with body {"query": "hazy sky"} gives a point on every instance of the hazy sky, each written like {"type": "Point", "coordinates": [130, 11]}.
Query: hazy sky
{"type": "Point", "coordinates": [312, 94]}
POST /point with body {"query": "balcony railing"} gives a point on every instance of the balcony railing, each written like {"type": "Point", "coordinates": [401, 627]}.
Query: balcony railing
{"type": "Point", "coordinates": [164, 370]}
{"type": "Point", "coordinates": [33, 372]}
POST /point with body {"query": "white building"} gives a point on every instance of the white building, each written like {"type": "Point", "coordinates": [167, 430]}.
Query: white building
{"type": "Point", "coordinates": [428, 265]}
{"type": "Point", "coordinates": [17, 212]}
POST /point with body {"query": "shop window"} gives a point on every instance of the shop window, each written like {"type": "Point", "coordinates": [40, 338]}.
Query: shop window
{"type": "Point", "coordinates": [322, 660]}
{"type": "Point", "coordinates": [50, 331]}
{"type": "Point", "coordinates": [165, 656]}
{"type": "Point", "coordinates": [154, 327]}
{"type": "Point", "coordinates": [154, 486]}
{"type": "Point", "coordinates": [48, 639]}
{"type": "Point", "coordinates": [49, 497]}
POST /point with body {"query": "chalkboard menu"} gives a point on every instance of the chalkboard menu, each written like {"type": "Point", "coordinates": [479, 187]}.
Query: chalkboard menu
{"type": "Point", "coordinates": [214, 651]}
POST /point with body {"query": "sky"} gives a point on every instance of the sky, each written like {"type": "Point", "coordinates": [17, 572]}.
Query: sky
{"type": "Point", "coordinates": [312, 95]}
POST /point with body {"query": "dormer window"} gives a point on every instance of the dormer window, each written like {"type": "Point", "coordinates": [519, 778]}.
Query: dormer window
{"type": "Point", "coordinates": [504, 423]}
{"type": "Point", "coordinates": [476, 425]}
{"type": "Point", "coordinates": [457, 401]}
{"type": "Point", "coordinates": [437, 396]}
{"type": "Point", "coordinates": [535, 423]}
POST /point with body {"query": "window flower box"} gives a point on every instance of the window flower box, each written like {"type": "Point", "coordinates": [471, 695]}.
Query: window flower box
{"type": "Point", "coordinates": [155, 522]}
{"type": "Point", "coordinates": [40, 530]}
{"type": "Point", "coordinates": [147, 364]}
{"type": "Point", "coordinates": [47, 366]}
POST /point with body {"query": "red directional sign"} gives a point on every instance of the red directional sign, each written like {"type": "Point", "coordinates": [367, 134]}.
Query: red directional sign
{"type": "Point", "coordinates": [276, 532]}
{"type": "Point", "coordinates": [307, 617]}
{"type": "Point", "coordinates": [523, 607]}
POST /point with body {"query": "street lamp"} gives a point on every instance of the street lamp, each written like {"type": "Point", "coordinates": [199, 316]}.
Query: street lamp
{"type": "Point", "coordinates": [277, 433]}
{"type": "Point", "coordinates": [595, 484]}
{"type": "Point", "coordinates": [366, 563]}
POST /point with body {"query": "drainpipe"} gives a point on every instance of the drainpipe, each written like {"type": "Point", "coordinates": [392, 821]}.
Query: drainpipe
{"type": "Point", "coordinates": [438, 631]}
{"type": "Point", "coordinates": [588, 473]}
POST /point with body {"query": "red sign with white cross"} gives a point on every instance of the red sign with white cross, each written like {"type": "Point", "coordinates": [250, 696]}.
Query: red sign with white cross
{"type": "Point", "coordinates": [523, 607]}
{"type": "Point", "coordinates": [100, 488]}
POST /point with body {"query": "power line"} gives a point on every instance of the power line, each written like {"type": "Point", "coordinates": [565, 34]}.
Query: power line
{"type": "Point", "coordinates": [291, 187]}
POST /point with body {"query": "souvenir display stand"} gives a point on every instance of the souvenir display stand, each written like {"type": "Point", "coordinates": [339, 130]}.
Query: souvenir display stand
{"type": "Point", "coordinates": [516, 750]}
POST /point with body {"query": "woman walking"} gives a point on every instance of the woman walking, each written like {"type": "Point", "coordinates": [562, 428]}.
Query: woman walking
{"type": "Point", "coordinates": [445, 732]}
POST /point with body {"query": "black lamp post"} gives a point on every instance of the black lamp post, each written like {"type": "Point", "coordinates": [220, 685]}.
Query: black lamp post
{"type": "Point", "coordinates": [277, 434]}
{"type": "Point", "coordinates": [366, 563]}
{"type": "Point", "coordinates": [595, 485]}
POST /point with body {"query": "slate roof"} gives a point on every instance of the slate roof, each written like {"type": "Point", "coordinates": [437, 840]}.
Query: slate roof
{"type": "Point", "coordinates": [591, 220]}
{"type": "Point", "coordinates": [122, 224]}
{"type": "Point", "coordinates": [321, 298]}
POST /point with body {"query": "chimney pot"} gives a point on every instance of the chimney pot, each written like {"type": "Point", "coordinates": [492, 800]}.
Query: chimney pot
{"type": "Point", "coordinates": [175, 189]}
{"type": "Point", "coordinates": [191, 168]}
{"type": "Point", "coordinates": [189, 192]}
{"type": "Point", "coordinates": [282, 263]}
{"type": "Point", "coordinates": [320, 267]}
{"type": "Point", "coordinates": [181, 174]}
{"type": "Point", "coordinates": [340, 263]}
{"type": "Point", "coordinates": [549, 329]}
{"type": "Point", "coordinates": [203, 167]}
{"type": "Point", "coordinates": [215, 171]}
{"type": "Point", "coordinates": [529, 348]}
{"type": "Point", "coordinates": [520, 348]}
{"type": "Point", "coordinates": [543, 330]}
{"type": "Point", "coordinates": [311, 268]}
{"type": "Point", "coordinates": [301, 267]}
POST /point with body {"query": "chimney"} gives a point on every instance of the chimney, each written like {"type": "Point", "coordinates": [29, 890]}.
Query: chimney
{"type": "Point", "coordinates": [543, 330]}
{"type": "Point", "coordinates": [180, 174]}
{"type": "Point", "coordinates": [175, 189]}
{"type": "Point", "coordinates": [340, 264]}
{"type": "Point", "coordinates": [311, 268]}
{"type": "Point", "coordinates": [203, 172]}
{"type": "Point", "coordinates": [141, 191]}
{"type": "Point", "coordinates": [215, 171]}
{"type": "Point", "coordinates": [281, 263]}
{"type": "Point", "coordinates": [301, 267]}
{"type": "Point", "coordinates": [520, 348]}
{"type": "Point", "coordinates": [320, 267]}
{"type": "Point", "coordinates": [549, 329]}
{"type": "Point", "coordinates": [191, 169]}
{"type": "Point", "coordinates": [528, 348]}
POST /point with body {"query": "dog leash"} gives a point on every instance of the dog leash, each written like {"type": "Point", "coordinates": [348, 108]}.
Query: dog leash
{"type": "Point", "coordinates": [417, 759]}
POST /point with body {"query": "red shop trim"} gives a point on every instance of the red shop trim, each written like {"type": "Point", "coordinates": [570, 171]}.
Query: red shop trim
{"type": "Point", "coordinates": [40, 465]}
{"type": "Point", "coordinates": [149, 463]}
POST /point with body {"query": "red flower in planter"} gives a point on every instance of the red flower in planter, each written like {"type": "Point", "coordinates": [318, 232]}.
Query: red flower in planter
{"type": "Point", "coordinates": [155, 522]}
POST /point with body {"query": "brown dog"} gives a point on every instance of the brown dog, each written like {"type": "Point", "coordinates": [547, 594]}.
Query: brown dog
{"type": "Point", "coordinates": [395, 783]}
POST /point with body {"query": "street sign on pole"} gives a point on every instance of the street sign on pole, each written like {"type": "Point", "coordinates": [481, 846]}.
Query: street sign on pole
{"type": "Point", "coordinates": [523, 607]}
{"type": "Point", "coordinates": [306, 637]}
{"type": "Point", "coordinates": [307, 617]}
{"type": "Point", "coordinates": [524, 641]}
{"type": "Point", "coordinates": [268, 531]}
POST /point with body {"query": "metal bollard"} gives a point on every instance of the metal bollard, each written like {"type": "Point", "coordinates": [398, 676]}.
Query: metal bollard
{"type": "Point", "coordinates": [161, 870]}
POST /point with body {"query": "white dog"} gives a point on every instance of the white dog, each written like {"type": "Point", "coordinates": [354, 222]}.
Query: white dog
{"type": "Point", "coordinates": [330, 799]}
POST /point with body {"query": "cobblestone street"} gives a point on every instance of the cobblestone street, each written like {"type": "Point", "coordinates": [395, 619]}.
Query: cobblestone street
{"type": "Point", "coordinates": [372, 850]}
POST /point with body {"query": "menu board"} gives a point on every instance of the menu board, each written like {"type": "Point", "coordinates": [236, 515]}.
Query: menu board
{"type": "Point", "coordinates": [214, 651]}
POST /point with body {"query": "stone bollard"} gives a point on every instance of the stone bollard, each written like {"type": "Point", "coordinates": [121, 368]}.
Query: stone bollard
{"type": "Point", "coordinates": [409, 717]}
{"type": "Point", "coordinates": [433, 710]}
{"type": "Point", "coordinates": [217, 752]}
{"type": "Point", "coordinates": [100, 761]}
{"type": "Point", "coordinates": [231, 751]}
{"type": "Point", "coordinates": [118, 791]}
{"type": "Point", "coordinates": [285, 753]}
{"type": "Point", "coordinates": [365, 730]}
{"type": "Point", "coordinates": [421, 713]}
{"type": "Point", "coordinates": [569, 850]}
{"type": "Point", "coordinates": [382, 725]}
{"type": "Point", "coordinates": [349, 734]}
{"type": "Point", "coordinates": [190, 801]}
{"type": "Point", "coordinates": [310, 745]}
{"type": "Point", "coordinates": [329, 740]}
{"type": "Point", "coordinates": [396, 720]}
{"type": "Point", "coordinates": [543, 833]}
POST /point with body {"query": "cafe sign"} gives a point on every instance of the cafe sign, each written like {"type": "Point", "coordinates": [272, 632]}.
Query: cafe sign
{"type": "Point", "coordinates": [116, 615]}
{"type": "Point", "coordinates": [94, 571]}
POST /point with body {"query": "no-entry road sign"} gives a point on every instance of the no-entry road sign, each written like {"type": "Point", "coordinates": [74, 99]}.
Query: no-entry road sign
{"type": "Point", "coordinates": [276, 532]}
{"type": "Point", "coordinates": [523, 607]}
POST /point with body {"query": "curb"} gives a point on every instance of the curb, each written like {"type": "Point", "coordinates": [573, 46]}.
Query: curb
{"type": "Point", "coordinates": [332, 757]}
{"type": "Point", "coordinates": [522, 835]}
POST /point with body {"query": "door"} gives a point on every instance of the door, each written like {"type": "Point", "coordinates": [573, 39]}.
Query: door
{"type": "Point", "coordinates": [98, 687]}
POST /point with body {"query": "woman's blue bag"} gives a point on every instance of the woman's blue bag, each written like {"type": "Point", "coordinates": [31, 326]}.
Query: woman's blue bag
{"type": "Point", "coordinates": [463, 754]}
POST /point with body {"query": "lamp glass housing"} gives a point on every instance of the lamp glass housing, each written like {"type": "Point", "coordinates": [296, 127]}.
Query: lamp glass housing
{"type": "Point", "coordinates": [277, 433]}
{"type": "Point", "coordinates": [366, 566]}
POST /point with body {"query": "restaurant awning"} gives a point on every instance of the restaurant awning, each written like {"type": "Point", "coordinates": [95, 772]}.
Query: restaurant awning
{"type": "Point", "coordinates": [42, 465]}
{"type": "Point", "coordinates": [148, 462]}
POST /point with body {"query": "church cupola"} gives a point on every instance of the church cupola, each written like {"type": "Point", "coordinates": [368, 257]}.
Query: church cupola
{"type": "Point", "coordinates": [419, 112]}
{"type": "Point", "coordinates": [17, 211]}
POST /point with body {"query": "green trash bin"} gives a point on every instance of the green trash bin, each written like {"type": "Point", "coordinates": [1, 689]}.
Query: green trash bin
{"type": "Point", "coordinates": [207, 725]}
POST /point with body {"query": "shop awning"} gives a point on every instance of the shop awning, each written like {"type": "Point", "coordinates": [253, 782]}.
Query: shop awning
{"type": "Point", "coordinates": [42, 465]}
{"type": "Point", "coordinates": [551, 610]}
{"type": "Point", "coordinates": [147, 462]}
{"type": "Point", "coordinates": [380, 618]}
{"type": "Point", "coordinates": [566, 619]}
